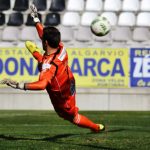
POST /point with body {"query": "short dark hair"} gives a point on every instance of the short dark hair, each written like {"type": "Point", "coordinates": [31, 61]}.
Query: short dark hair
{"type": "Point", "coordinates": [52, 36]}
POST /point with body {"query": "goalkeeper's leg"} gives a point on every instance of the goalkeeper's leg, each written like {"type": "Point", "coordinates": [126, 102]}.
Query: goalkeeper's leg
{"type": "Point", "coordinates": [34, 50]}
{"type": "Point", "coordinates": [71, 114]}
{"type": "Point", "coordinates": [84, 122]}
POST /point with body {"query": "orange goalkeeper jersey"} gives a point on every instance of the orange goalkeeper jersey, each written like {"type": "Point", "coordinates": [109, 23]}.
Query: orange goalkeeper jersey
{"type": "Point", "coordinates": [56, 77]}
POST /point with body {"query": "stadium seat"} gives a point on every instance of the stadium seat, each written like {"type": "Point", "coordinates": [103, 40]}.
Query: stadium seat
{"type": "Point", "coordinates": [143, 19]}
{"type": "Point", "coordinates": [83, 34]}
{"type": "Point", "coordinates": [52, 19]}
{"type": "Point", "coordinates": [29, 33]}
{"type": "Point", "coordinates": [67, 34]}
{"type": "Point", "coordinates": [141, 34]}
{"type": "Point", "coordinates": [15, 19]}
{"type": "Point", "coordinates": [2, 19]}
{"type": "Point", "coordinates": [94, 5]}
{"type": "Point", "coordinates": [57, 5]}
{"type": "Point", "coordinates": [145, 6]}
{"type": "Point", "coordinates": [30, 22]}
{"type": "Point", "coordinates": [131, 5]}
{"type": "Point", "coordinates": [122, 34]}
{"type": "Point", "coordinates": [40, 4]}
{"type": "Point", "coordinates": [111, 16]}
{"type": "Point", "coordinates": [71, 19]}
{"type": "Point", "coordinates": [127, 19]}
{"type": "Point", "coordinates": [4, 5]}
{"type": "Point", "coordinates": [75, 5]}
{"type": "Point", "coordinates": [112, 5]}
{"type": "Point", "coordinates": [87, 18]}
{"type": "Point", "coordinates": [10, 34]}
{"type": "Point", "coordinates": [104, 39]}
{"type": "Point", "coordinates": [21, 5]}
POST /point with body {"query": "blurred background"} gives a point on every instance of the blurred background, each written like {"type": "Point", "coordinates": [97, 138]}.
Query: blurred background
{"type": "Point", "coordinates": [126, 48]}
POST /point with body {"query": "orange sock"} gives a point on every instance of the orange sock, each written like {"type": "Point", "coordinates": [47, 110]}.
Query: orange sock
{"type": "Point", "coordinates": [84, 122]}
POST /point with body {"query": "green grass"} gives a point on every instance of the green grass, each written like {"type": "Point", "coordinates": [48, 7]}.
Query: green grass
{"type": "Point", "coordinates": [44, 130]}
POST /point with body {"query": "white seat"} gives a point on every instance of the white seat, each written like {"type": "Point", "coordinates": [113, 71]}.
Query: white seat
{"type": "Point", "coordinates": [143, 19]}
{"type": "Point", "coordinates": [67, 34]}
{"type": "Point", "coordinates": [106, 38]}
{"type": "Point", "coordinates": [10, 34]}
{"type": "Point", "coordinates": [131, 5]}
{"type": "Point", "coordinates": [71, 19]}
{"type": "Point", "coordinates": [29, 33]}
{"type": "Point", "coordinates": [94, 5]}
{"type": "Point", "coordinates": [127, 19]}
{"type": "Point", "coordinates": [112, 5]}
{"type": "Point", "coordinates": [141, 34]}
{"type": "Point", "coordinates": [111, 16]}
{"type": "Point", "coordinates": [83, 34]}
{"type": "Point", "coordinates": [87, 18]}
{"type": "Point", "coordinates": [145, 6]}
{"type": "Point", "coordinates": [75, 5]}
{"type": "Point", "coordinates": [122, 34]}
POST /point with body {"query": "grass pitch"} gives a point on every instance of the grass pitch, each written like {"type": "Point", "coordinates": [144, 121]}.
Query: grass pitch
{"type": "Point", "coordinates": [44, 130]}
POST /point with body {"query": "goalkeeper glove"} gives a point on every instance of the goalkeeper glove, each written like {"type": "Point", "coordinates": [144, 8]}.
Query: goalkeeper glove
{"type": "Point", "coordinates": [34, 13]}
{"type": "Point", "coordinates": [13, 84]}
{"type": "Point", "coordinates": [31, 47]}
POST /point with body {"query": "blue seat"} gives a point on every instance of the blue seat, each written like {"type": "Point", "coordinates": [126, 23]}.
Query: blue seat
{"type": "Point", "coordinates": [4, 5]}
{"type": "Point", "coordinates": [52, 19]}
{"type": "Point", "coordinates": [57, 5]}
{"type": "Point", "coordinates": [21, 5]}
{"type": "Point", "coordinates": [15, 19]}
{"type": "Point", "coordinates": [2, 19]}
{"type": "Point", "coordinates": [41, 5]}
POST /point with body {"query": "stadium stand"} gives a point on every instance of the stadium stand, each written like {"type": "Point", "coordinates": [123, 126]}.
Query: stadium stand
{"type": "Point", "coordinates": [52, 19]}
{"type": "Point", "coordinates": [122, 34]}
{"type": "Point", "coordinates": [77, 15]}
{"type": "Point", "coordinates": [71, 19]}
{"type": "Point", "coordinates": [112, 5]}
{"type": "Point", "coordinates": [2, 19]}
{"type": "Point", "coordinates": [143, 19]}
{"type": "Point", "coordinates": [75, 5]}
{"type": "Point", "coordinates": [67, 35]}
{"type": "Point", "coordinates": [57, 5]}
{"type": "Point", "coordinates": [21, 5]}
{"type": "Point", "coordinates": [131, 5]}
{"type": "Point", "coordinates": [15, 19]}
{"type": "Point", "coordinates": [87, 18]}
{"type": "Point", "coordinates": [141, 34]}
{"type": "Point", "coordinates": [126, 19]}
{"type": "Point", "coordinates": [94, 5]}
{"type": "Point", "coordinates": [112, 17]}
{"type": "Point", "coordinates": [4, 5]}
{"type": "Point", "coordinates": [13, 35]}
{"type": "Point", "coordinates": [145, 5]}
{"type": "Point", "coordinates": [40, 4]}
{"type": "Point", "coordinates": [29, 33]}
{"type": "Point", "coordinates": [85, 34]}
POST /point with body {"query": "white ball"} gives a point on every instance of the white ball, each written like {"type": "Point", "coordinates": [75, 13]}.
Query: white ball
{"type": "Point", "coordinates": [100, 26]}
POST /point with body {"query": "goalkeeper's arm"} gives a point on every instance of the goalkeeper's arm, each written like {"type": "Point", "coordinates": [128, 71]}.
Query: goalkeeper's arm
{"type": "Point", "coordinates": [34, 15]}
{"type": "Point", "coordinates": [38, 85]}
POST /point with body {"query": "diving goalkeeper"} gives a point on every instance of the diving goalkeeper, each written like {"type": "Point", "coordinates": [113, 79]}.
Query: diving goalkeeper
{"type": "Point", "coordinates": [55, 75]}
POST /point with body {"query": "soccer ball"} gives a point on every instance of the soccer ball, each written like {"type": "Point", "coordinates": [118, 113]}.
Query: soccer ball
{"type": "Point", "coordinates": [100, 26]}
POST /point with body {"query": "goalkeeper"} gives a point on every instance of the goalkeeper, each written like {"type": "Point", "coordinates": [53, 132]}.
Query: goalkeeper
{"type": "Point", "coordinates": [55, 75]}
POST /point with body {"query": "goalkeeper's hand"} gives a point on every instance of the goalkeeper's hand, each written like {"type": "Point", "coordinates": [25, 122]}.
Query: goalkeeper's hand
{"type": "Point", "coordinates": [34, 13]}
{"type": "Point", "coordinates": [31, 47]}
{"type": "Point", "coordinates": [13, 84]}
